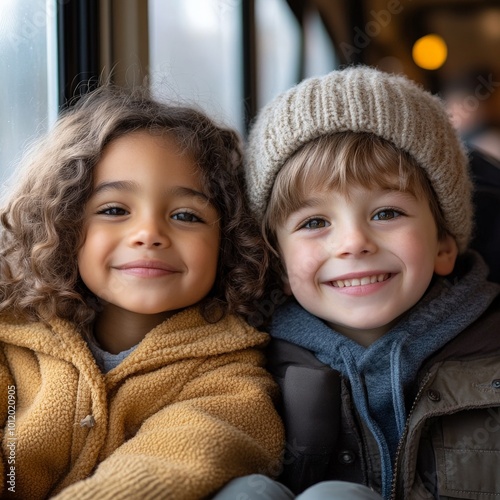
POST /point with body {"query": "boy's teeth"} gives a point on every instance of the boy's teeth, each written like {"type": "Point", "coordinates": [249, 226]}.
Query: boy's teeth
{"type": "Point", "coordinates": [365, 280]}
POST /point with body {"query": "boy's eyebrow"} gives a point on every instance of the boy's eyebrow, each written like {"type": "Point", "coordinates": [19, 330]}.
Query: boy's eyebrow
{"type": "Point", "coordinates": [312, 201]}
{"type": "Point", "coordinates": [131, 186]}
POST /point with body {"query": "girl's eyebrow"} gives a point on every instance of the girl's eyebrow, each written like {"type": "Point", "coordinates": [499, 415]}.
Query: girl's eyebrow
{"type": "Point", "coordinates": [131, 186]}
{"type": "Point", "coordinates": [116, 185]}
{"type": "Point", "coordinates": [182, 191]}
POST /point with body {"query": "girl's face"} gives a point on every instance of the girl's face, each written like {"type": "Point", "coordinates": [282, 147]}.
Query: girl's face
{"type": "Point", "coordinates": [359, 262]}
{"type": "Point", "coordinates": [151, 235]}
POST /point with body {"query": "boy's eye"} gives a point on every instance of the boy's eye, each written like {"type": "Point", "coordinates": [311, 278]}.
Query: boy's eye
{"type": "Point", "coordinates": [387, 214]}
{"type": "Point", "coordinates": [315, 224]}
{"type": "Point", "coordinates": [186, 217]}
{"type": "Point", "coordinates": [113, 211]}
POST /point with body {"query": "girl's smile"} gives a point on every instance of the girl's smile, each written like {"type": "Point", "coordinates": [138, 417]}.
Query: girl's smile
{"type": "Point", "coordinates": [147, 268]}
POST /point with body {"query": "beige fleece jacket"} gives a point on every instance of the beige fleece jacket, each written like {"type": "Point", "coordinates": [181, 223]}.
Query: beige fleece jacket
{"type": "Point", "coordinates": [184, 413]}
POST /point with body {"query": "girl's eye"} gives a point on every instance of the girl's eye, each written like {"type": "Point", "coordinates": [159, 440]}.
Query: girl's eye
{"type": "Point", "coordinates": [387, 214]}
{"type": "Point", "coordinates": [315, 224]}
{"type": "Point", "coordinates": [113, 211]}
{"type": "Point", "coordinates": [186, 217]}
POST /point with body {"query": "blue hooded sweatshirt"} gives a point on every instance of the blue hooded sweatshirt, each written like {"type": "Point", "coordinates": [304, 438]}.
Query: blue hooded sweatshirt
{"type": "Point", "coordinates": [383, 375]}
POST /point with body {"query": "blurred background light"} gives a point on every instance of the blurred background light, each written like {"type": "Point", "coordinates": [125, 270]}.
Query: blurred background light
{"type": "Point", "coordinates": [430, 52]}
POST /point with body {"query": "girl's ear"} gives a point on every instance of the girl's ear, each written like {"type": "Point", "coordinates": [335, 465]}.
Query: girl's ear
{"type": "Point", "coordinates": [287, 289]}
{"type": "Point", "coordinates": [446, 256]}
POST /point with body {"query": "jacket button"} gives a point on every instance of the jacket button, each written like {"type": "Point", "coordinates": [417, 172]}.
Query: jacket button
{"type": "Point", "coordinates": [433, 395]}
{"type": "Point", "coordinates": [347, 457]}
{"type": "Point", "coordinates": [496, 383]}
{"type": "Point", "coordinates": [88, 421]}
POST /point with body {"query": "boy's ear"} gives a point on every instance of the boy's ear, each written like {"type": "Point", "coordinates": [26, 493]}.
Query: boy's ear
{"type": "Point", "coordinates": [446, 256]}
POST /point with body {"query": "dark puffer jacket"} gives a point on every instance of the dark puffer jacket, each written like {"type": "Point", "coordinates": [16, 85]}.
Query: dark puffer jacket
{"type": "Point", "coordinates": [486, 176]}
{"type": "Point", "coordinates": [451, 444]}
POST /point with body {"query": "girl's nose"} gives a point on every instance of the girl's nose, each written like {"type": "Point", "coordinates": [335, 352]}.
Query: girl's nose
{"type": "Point", "coordinates": [150, 233]}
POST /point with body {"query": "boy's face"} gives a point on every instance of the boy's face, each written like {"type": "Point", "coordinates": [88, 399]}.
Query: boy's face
{"type": "Point", "coordinates": [152, 237]}
{"type": "Point", "coordinates": [359, 262]}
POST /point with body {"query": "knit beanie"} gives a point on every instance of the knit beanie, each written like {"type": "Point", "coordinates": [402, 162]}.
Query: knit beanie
{"type": "Point", "coordinates": [363, 99]}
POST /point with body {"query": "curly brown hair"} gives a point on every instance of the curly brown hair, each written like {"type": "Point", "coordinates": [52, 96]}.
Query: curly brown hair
{"type": "Point", "coordinates": [42, 218]}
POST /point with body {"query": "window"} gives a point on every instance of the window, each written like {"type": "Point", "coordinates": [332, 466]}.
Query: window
{"type": "Point", "coordinates": [278, 47]}
{"type": "Point", "coordinates": [195, 55]}
{"type": "Point", "coordinates": [279, 39]}
{"type": "Point", "coordinates": [320, 55]}
{"type": "Point", "coordinates": [28, 102]}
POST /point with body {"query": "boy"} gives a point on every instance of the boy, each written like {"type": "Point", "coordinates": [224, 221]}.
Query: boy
{"type": "Point", "coordinates": [387, 351]}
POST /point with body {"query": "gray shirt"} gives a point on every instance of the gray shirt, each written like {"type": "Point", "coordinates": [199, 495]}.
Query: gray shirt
{"type": "Point", "coordinates": [105, 360]}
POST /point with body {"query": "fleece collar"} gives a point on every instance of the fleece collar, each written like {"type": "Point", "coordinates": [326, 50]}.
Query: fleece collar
{"type": "Point", "coordinates": [184, 335]}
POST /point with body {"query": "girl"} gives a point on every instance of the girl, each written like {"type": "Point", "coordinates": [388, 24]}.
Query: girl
{"type": "Point", "coordinates": [127, 264]}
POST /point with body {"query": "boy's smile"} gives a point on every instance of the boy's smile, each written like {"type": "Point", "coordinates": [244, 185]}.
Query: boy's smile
{"type": "Point", "coordinates": [360, 283]}
{"type": "Point", "coordinates": [359, 261]}
{"type": "Point", "coordinates": [151, 241]}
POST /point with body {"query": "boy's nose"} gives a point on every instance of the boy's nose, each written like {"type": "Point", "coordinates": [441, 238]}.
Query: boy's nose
{"type": "Point", "coordinates": [354, 240]}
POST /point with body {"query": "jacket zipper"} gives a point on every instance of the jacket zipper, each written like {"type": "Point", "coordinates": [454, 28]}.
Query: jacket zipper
{"type": "Point", "coordinates": [397, 460]}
